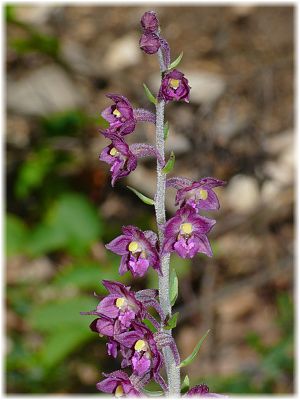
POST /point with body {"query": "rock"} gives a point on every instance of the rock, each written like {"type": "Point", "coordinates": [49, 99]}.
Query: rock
{"type": "Point", "coordinates": [18, 131]}
{"type": "Point", "coordinates": [46, 90]}
{"type": "Point", "coordinates": [178, 143]}
{"type": "Point", "coordinates": [277, 143]}
{"type": "Point", "coordinates": [242, 194]}
{"type": "Point", "coordinates": [36, 15]}
{"type": "Point", "coordinates": [282, 170]}
{"type": "Point", "coordinates": [122, 53]}
{"type": "Point", "coordinates": [270, 190]}
{"type": "Point", "coordinates": [207, 87]}
{"type": "Point", "coordinates": [230, 122]}
{"type": "Point", "coordinates": [76, 57]}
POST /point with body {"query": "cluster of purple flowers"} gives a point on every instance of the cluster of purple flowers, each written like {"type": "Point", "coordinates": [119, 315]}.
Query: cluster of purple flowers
{"type": "Point", "coordinates": [121, 315]}
{"type": "Point", "coordinates": [186, 232]}
{"type": "Point", "coordinates": [122, 117]}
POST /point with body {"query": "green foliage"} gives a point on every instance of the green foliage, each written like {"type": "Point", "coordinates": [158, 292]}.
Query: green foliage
{"type": "Point", "coordinates": [149, 325]}
{"type": "Point", "coordinates": [170, 164]}
{"type": "Point", "coordinates": [277, 357]}
{"type": "Point", "coordinates": [275, 362]}
{"type": "Point", "coordinates": [152, 393]}
{"type": "Point", "coordinates": [191, 357]}
{"type": "Point", "coordinates": [149, 95]}
{"type": "Point", "coordinates": [185, 385]}
{"type": "Point", "coordinates": [10, 13]}
{"type": "Point", "coordinates": [64, 328]}
{"type": "Point", "coordinates": [176, 62]}
{"type": "Point", "coordinates": [33, 171]}
{"type": "Point", "coordinates": [88, 275]}
{"type": "Point", "coordinates": [51, 316]}
{"type": "Point", "coordinates": [67, 123]}
{"type": "Point", "coordinates": [71, 223]}
{"type": "Point", "coordinates": [36, 42]}
{"type": "Point", "coordinates": [172, 322]}
{"type": "Point", "coordinates": [16, 235]}
{"type": "Point", "coordinates": [142, 197]}
{"type": "Point", "coordinates": [173, 286]}
{"type": "Point", "coordinates": [100, 121]}
{"type": "Point", "coordinates": [182, 266]}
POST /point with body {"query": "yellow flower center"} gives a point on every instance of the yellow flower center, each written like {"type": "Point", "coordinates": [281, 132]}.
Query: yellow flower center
{"type": "Point", "coordinates": [119, 391]}
{"type": "Point", "coordinates": [174, 83]}
{"type": "Point", "coordinates": [113, 152]}
{"type": "Point", "coordinates": [120, 302]}
{"type": "Point", "coordinates": [140, 345]}
{"type": "Point", "coordinates": [203, 194]}
{"type": "Point", "coordinates": [186, 228]}
{"type": "Point", "coordinates": [117, 113]}
{"type": "Point", "coordinates": [133, 246]}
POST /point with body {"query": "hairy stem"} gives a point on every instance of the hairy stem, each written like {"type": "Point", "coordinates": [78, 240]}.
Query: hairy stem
{"type": "Point", "coordinates": [173, 372]}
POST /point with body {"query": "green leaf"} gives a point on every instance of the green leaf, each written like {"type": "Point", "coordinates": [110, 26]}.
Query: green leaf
{"type": "Point", "coordinates": [141, 196]}
{"type": "Point", "coordinates": [185, 385]}
{"type": "Point", "coordinates": [33, 171]}
{"type": "Point", "coordinates": [60, 314]}
{"type": "Point", "coordinates": [176, 62]}
{"type": "Point", "coordinates": [102, 122]}
{"type": "Point", "coordinates": [170, 164]}
{"type": "Point", "coordinates": [153, 393]}
{"type": "Point", "coordinates": [66, 123]}
{"type": "Point", "coordinates": [172, 322]}
{"type": "Point", "coordinates": [191, 357]}
{"type": "Point", "coordinates": [72, 223]}
{"type": "Point", "coordinates": [149, 95]}
{"type": "Point", "coordinates": [16, 235]}
{"type": "Point", "coordinates": [87, 275]}
{"type": "Point", "coordinates": [173, 286]}
{"type": "Point", "coordinates": [62, 342]}
{"type": "Point", "coordinates": [166, 130]}
{"type": "Point", "coordinates": [45, 239]}
{"type": "Point", "coordinates": [149, 325]}
{"type": "Point", "coordinates": [36, 42]}
{"type": "Point", "coordinates": [10, 13]}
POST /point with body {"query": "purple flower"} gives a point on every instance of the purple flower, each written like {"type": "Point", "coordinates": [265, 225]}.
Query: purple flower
{"type": "Point", "coordinates": [119, 384]}
{"type": "Point", "coordinates": [102, 325]}
{"type": "Point", "coordinates": [119, 115]}
{"type": "Point", "coordinates": [203, 391]}
{"type": "Point", "coordinates": [200, 195]}
{"type": "Point", "coordinates": [120, 305]}
{"type": "Point", "coordinates": [185, 233]}
{"type": "Point", "coordinates": [145, 356]}
{"type": "Point", "coordinates": [149, 43]}
{"type": "Point", "coordinates": [119, 156]}
{"type": "Point", "coordinates": [174, 86]}
{"type": "Point", "coordinates": [149, 21]}
{"type": "Point", "coordinates": [138, 250]}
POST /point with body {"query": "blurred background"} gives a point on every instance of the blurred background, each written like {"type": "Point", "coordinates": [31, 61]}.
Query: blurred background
{"type": "Point", "coordinates": [61, 209]}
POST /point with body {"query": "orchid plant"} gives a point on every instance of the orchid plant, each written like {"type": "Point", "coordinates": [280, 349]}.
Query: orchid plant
{"type": "Point", "coordinates": [144, 342]}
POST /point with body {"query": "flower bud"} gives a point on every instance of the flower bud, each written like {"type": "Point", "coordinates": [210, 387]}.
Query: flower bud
{"type": "Point", "coordinates": [149, 21]}
{"type": "Point", "coordinates": [149, 43]}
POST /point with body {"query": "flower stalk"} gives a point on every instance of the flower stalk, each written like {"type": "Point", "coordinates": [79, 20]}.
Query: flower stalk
{"type": "Point", "coordinates": [144, 341]}
{"type": "Point", "coordinates": [173, 371]}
